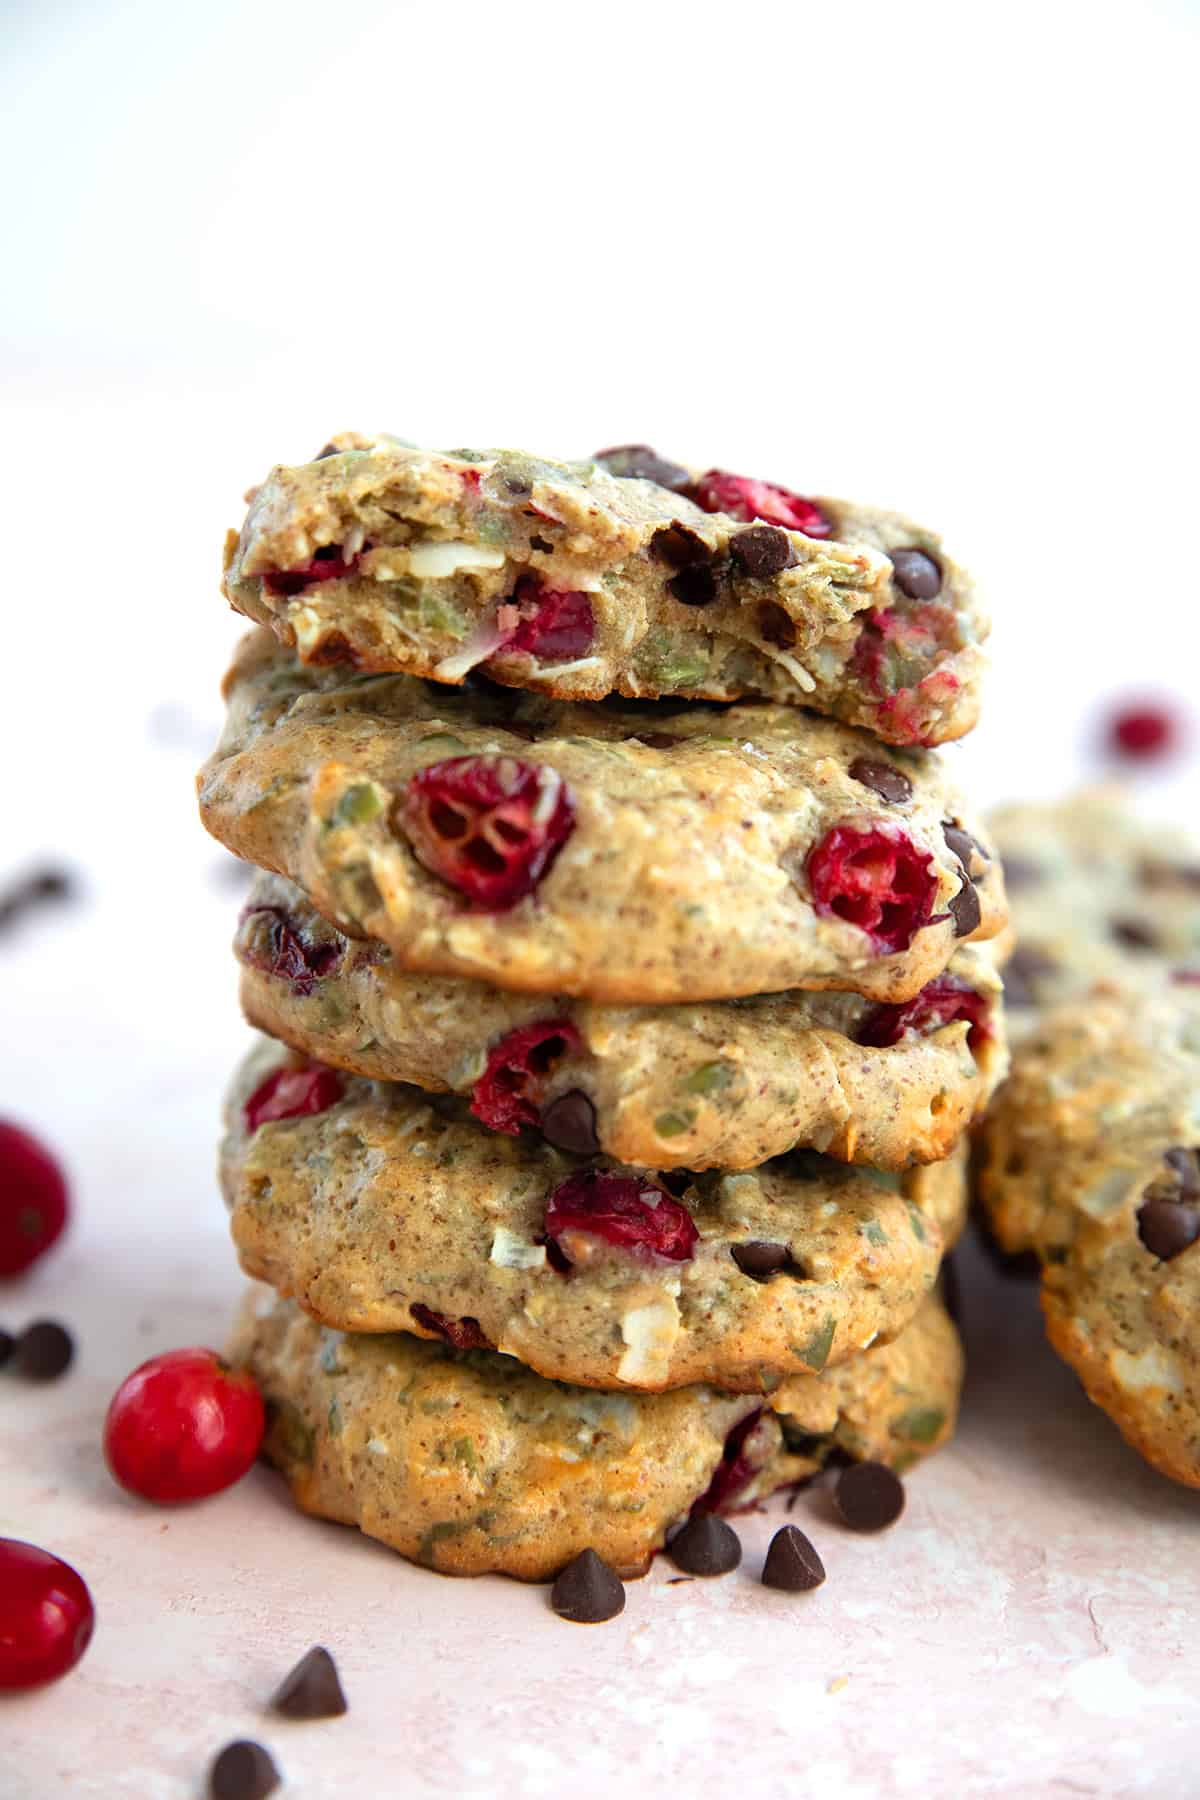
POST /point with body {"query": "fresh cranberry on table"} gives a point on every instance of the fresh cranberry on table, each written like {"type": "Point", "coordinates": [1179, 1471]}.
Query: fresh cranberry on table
{"type": "Point", "coordinates": [742, 497]}
{"type": "Point", "coordinates": [183, 1426]}
{"type": "Point", "coordinates": [491, 826]}
{"type": "Point", "coordinates": [876, 879]}
{"type": "Point", "coordinates": [33, 1199]}
{"type": "Point", "coordinates": [46, 1615]}
{"type": "Point", "coordinates": [630, 1211]}
{"type": "Point", "coordinates": [1142, 731]}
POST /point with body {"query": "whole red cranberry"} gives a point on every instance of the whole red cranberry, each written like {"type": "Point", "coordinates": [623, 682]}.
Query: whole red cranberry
{"type": "Point", "coordinates": [509, 1092]}
{"type": "Point", "coordinates": [631, 1211]}
{"type": "Point", "coordinates": [491, 826]}
{"type": "Point", "coordinates": [46, 1615]}
{"type": "Point", "coordinates": [33, 1199]}
{"type": "Point", "coordinates": [183, 1426]}
{"type": "Point", "coordinates": [1142, 731]}
{"type": "Point", "coordinates": [744, 498]}
{"type": "Point", "coordinates": [556, 624]}
{"type": "Point", "coordinates": [939, 1003]}
{"type": "Point", "coordinates": [290, 1093]}
{"type": "Point", "coordinates": [876, 879]}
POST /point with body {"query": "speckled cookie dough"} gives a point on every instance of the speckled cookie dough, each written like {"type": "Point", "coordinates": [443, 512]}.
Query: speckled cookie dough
{"type": "Point", "coordinates": [1100, 899]}
{"type": "Point", "coordinates": [381, 1211]}
{"type": "Point", "coordinates": [469, 1464]}
{"type": "Point", "coordinates": [584, 579]}
{"type": "Point", "coordinates": [619, 853]}
{"type": "Point", "coordinates": [723, 1085]}
{"type": "Point", "coordinates": [1091, 1158]}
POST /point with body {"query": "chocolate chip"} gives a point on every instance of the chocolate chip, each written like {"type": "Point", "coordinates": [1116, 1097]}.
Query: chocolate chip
{"type": "Point", "coordinates": [1023, 972]}
{"type": "Point", "coordinates": [41, 888]}
{"type": "Point", "coordinates": [792, 1562]}
{"type": "Point", "coordinates": [693, 587]}
{"type": "Point", "coordinates": [965, 909]}
{"type": "Point", "coordinates": [775, 625]}
{"type": "Point", "coordinates": [961, 843]}
{"type": "Point", "coordinates": [762, 550]}
{"type": "Point", "coordinates": [1167, 1227]}
{"type": "Point", "coordinates": [916, 574]}
{"type": "Point", "coordinates": [7, 1346]}
{"type": "Point", "coordinates": [680, 547]}
{"type": "Point", "coordinates": [587, 1591]}
{"type": "Point", "coordinates": [569, 1123]}
{"type": "Point", "coordinates": [42, 1352]}
{"type": "Point", "coordinates": [639, 461]}
{"type": "Point", "coordinates": [1021, 872]}
{"type": "Point", "coordinates": [1186, 1164]}
{"type": "Point", "coordinates": [759, 1259]}
{"type": "Point", "coordinates": [706, 1546]}
{"type": "Point", "coordinates": [324, 451]}
{"type": "Point", "coordinates": [1134, 934]}
{"type": "Point", "coordinates": [658, 740]}
{"type": "Point", "coordinates": [313, 1690]}
{"type": "Point", "coordinates": [243, 1771]}
{"type": "Point", "coordinates": [882, 778]}
{"type": "Point", "coordinates": [869, 1496]}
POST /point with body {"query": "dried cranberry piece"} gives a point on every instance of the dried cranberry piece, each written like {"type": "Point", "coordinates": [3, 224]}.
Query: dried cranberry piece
{"type": "Point", "coordinates": [555, 625]}
{"type": "Point", "coordinates": [464, 1334]}
{"type": "Point", "coordinates": [326, 565]}
{"type": "Point", "coordinates": [293, 1094]}
{"type": "Point", "coordinates": [741, 497]}
{"type": "Point", "coordinates": [280, 949]}
{"type": "Point", "coordinates": [876, 879]}
{"type": "Point", "coordinates": [489, 825]}
{"type": "Point", "coordinates": [631, 1211]}
{"type": "Point", "coordinates": [939, 1003]}
{"type": "Point", "coordinates": [509, 1092]}
{"type": "Point", "coordinates": [735, 1470]}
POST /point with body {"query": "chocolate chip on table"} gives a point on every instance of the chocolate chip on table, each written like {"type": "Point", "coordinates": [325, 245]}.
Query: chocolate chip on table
{"type": "Point", "coordinates": [916, 574]}
{"type": "Point", "coordinates": [775, 625]}
{"type": "Point", "coordinates": [792, 1562]}
{"type": "Point", "coordinates": [693, 587]}
{"type": "Point", "coordinates": [759, 1259]}
{"type": "Point", "coordinates": [43, 887]}
{"type": "Point", "coordinates": [762, 550]}
{"type": "Point", "coordinates": [587, 1591]}
{"type": "Point", "coordinates": [965, 909]}
{"type": "Point", "coordinates": [313, 1689]}
{"type": "Point", "coordinates": [869, 1496]}
{"type": "Point", "coordinates": [680, 547]}
{"type": "Point", "coordinates": [43, 1351]}
{"type": "Point", "coordinates": [1167, 1227]}
{"type": "Point", "coordinates": [639, 461]}
{"type": "Point", "coordinates": [882, 778]}
{"type": "Point", "coordinates": [243, 1770]}
{"type": "Point", "coordinates": [1134, 934]}
{"type": "Point", "coordinates": [569, 1123]}
{"type": "Point", "coordinates": [706, 1545]}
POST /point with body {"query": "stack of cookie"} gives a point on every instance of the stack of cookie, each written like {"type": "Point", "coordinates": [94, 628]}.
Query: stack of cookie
{"type": "Point", "coordinates": [623, 951]}
{"type": "Point", "coordinates": [1091, 1158]}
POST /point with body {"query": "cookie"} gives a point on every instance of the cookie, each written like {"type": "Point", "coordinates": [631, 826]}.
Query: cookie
{"type": "Point", "coordinates": [382, 1209]}
{"type": "Point", "coordinates": [723, 1085]}
{"type": "Point", "coordinates": [1100, 898]}
{"type": "Point", "coordinates": [625, 854]}
{"type": "Point", "coordinates": [585, 579]}
{"type": "Point", "coordinates": [1091, 1158]}
{"type": "Point", "coordinates": [470, 1464]}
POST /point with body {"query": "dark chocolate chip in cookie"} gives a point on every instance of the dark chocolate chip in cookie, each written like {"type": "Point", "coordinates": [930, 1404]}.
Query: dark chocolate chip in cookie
{"type": "Point", "coordinates": [1134, 934]}
{"type": "Point", "coordinates": [775, 625]}
{"type": "Point", "coordinates": [1186, 1164]}
{"type": "Point", "coordinates": [706, 1545]}
{"type": "Point", "coordinates": [965, 909]}
{"type": "Point", "coordinates": [792, 1563]}
{"type": "Point", "coordinates": [916, 574]}
{"type": "Point", "coordinates": [243, 1771]}
{"type": "Point", "coordinates": [324, 451]}
{"type": "Point", "coordinates": [961, 843]}
{"type": "Point", "coordinates": [759, 1259]}
{"type": "Point", "coordinates": [882, 778]}
{"type": "Point", "coordinates": [313, 1690]}
{"type": "Point", "coordinates": [680, 547]}
{"type": "Point", "coordinates": [762, 550]}
{"type": "Point", "coordinates": [1025, 969]}
{"type": "Point", "coordinates": [43, 1351]}
{"type": "Point", "coordinates": [569, 1123]}
{"type": "Point", "coordinates": [587, 1591]}
{"type": "Point", "coordinates": [694, 587]}
{"type": "Point", "coordinates": [869, 1496]}
{"type": "Point", "coordinates": [1167, 1227]}
{"type": "Point", "coordinates": [639, 461]}
{"type": "Point", "coordinates": [658, 740]}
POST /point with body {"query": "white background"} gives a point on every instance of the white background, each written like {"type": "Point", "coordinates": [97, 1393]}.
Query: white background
{"type": "Point", "coordinates": [936, 256]}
